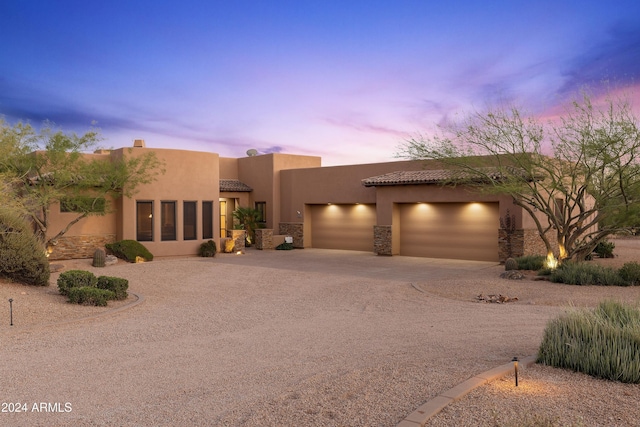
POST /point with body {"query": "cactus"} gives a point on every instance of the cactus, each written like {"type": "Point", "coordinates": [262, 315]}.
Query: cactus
{"type": "Point", "coordinates": [99, 258]}
{"type": "Point", "coordinates": [510, 264]}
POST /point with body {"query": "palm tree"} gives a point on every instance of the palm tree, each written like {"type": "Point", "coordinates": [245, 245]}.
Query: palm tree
{"type": "Point", "coordinates": [247, 220]}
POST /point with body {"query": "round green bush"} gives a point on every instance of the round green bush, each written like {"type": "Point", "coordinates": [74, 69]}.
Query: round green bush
{"type": "Point", "coordinates": [208, 249]}
{"type": "Point", "coordinates": [129, 250]}
{"type": "Point", "coordinates": [22, 257]}
{"type": "Point", "coordinates": [88, 295]}
{"type": "Point", "coordinates": [117, 285]}
{"type": "Point", "coordinates": [76, 279]}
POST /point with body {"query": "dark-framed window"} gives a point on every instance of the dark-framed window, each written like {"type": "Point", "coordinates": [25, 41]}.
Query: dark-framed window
{"type": "Point", "coordinates": [168, 220]}
{"type": "Point", "coordinates": [144, 221]}
{"type": "Point", "coordinates": [207, 220]}
{"type": "Point", "coordinates": [262, 208]}
{"type": "Point", "coordinates": [189, 220]}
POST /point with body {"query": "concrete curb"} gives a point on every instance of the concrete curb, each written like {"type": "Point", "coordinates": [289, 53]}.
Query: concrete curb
{"type": "Point", "coordinates": [421, 416]}
{"type": "Point", "coordinates": [139, 300]}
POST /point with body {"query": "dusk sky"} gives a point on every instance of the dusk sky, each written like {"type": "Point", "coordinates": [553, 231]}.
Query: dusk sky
{"type": "Point", "coordinates": [344, 80]}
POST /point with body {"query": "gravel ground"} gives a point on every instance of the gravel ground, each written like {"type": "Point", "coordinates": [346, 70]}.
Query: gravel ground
{"type": "Point", "coordinates": [276, 338]}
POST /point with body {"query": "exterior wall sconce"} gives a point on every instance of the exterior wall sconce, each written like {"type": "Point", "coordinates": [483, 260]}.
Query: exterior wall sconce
{"type": "Point", "coordinates": [515, 368]}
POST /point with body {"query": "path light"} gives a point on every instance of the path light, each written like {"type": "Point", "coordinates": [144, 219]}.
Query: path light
{"type": "Point", "coordinates": [515, 368]}
{"type": "Point", "coordinates": [11, 311]}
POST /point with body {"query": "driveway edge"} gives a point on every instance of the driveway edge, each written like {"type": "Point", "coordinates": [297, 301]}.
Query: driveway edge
{"type": "Point", "coordinates": [420, 416]}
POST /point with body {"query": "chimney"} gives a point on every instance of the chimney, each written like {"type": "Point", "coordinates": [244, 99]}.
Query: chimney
{"type": "Point", "coordinates": [138, 143]}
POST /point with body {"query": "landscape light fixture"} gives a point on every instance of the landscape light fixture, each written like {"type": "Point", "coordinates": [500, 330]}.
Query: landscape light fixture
{"type": "Point", "coordinates": [11, 311]}
{"type": "Point", "coordinates": [515, 368]}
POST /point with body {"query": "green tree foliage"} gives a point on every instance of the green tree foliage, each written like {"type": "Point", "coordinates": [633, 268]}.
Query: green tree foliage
{"type": "Point", "coordinates": [580, 172]}
{"type": "Point", "coordinates": [41, 168]}
{"type": "Point", "coordinates": [21, 257]}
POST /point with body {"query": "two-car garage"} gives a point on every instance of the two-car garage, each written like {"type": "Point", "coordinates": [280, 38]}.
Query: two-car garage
{"type": "Point", "coordinates": [433, 230]}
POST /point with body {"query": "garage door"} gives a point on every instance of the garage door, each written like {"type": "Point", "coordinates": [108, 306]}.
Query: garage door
{"type": "Point", "coordinates": [347, 227]}
{"type": "Point", "coordinates": [450, 230]}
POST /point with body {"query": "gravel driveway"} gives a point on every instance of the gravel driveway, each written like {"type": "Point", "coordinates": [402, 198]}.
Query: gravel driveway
{"type": "Point", "coordinates": [269, 338]}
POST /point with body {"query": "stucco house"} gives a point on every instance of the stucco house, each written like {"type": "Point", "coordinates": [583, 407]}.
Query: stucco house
{"type": "Point", "coordinates": [393, 208]}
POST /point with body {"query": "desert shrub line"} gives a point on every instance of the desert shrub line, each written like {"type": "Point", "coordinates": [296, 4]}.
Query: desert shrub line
{"type": "Point", "coordinates": [604, 342]}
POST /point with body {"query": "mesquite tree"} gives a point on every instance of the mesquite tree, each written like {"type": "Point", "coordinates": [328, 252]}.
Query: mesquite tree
{"type": "Point", "coordinates": [578, 177]}
{"type": "Point", "coordinates": [39, 169]}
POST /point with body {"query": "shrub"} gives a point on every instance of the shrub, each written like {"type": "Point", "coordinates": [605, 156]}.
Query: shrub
{"type": "Point", "coordinates": [285, 246]}
{"type": "Point", "coordinates": [128, 250]}
{"type": "Point", "coordinates": [208, 249]}
{"type": "Point", "coordinates": [22, 257]}
{"type": "Point", "coordinates": [76, 279]}
{"type": "Point", "coordinates": [582, 273]}
{"type": "Point", "coordinates": [604, 342]}
{"type": "Point", "coordinates": [117, 285]}
{"type": "Point", "coordinates": [604, 249]}
{"type": "Point", "coordinates": [531, 262]}
{"type": "Point", "coordinates": [88, 295]}
{"type": "Point", "coordinates": [630, 273]}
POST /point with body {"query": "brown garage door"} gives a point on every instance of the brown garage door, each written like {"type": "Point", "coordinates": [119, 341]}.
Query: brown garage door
{"type": "Point", "coordinates": [450, 230]}
{"type": "Point", "coordinates": [347, 227]}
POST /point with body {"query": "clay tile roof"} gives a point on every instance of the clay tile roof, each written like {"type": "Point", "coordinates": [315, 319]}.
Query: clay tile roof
{"type": "Point", "coordinates": [234, 186]}
{"type": "Point", "coordinates": [433, 177]}
{"type": "Point", "coordinates": [409, 177]}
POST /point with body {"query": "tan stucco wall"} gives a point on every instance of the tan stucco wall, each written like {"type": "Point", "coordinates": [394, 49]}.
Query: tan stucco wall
{"type": "Point", "coordinates": [228, 168]}
{"type": "Point", "coordinates": [189, 176]}
{"type": "Point", "coordinates": [334, 184]}
{"type": "Point", "coordinates": [263, 174]}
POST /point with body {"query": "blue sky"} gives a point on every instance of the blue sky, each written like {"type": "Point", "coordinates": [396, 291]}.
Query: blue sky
{"type": "Point", "coordinates": [344, 80]}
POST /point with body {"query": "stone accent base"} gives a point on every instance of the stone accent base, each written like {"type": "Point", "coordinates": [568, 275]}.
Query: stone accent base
{"type": "Point", "coordinates": [238, 237]}
{"type": "Point", "coordinates": [264, 238]}
{"type": "Point", "coordinates": [77, 247]}
{"type": "Point", "coordinates": [382, 244]}
{"type": "Point", "coordinates": [522, 242]}
{"type": "Point", "coordinates": [295, 230]}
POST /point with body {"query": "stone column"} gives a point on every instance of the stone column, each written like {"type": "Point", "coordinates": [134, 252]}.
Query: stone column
{"type": "Point", "coordinates": [382, 243]}
{"type": "Point", "coordinates": [264, 238]}
{"type": "Point", "coordinates": [295, 230]}
{"type": "Point", "coordinates": [238, 238]}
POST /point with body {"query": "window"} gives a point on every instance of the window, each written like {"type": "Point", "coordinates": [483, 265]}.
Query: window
{"type": "Point", "coordinates": [223, 218]}
{"type": "Point", "coordinates": [144, 221]}
{"type": "Point", "coordinates": [82, 204]}
{"type": "Point", "coordinates": [207, 220]}
{"type": "Point", "coordinates": [189, 220]}
{"type": "Point", "coordinates": [262, 208]}
{"type": "Point", "coordinates": [168, 220]}
{"type": "Point", "coordinates": [559, 209]}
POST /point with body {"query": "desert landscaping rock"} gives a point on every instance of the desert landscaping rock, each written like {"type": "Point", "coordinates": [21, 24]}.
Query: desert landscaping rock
{"type": "Point", "coordinates": [284, 338]}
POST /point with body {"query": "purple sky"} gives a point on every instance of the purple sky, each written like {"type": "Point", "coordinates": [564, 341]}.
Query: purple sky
{"type": "Point", "coordinates": [345, 80]}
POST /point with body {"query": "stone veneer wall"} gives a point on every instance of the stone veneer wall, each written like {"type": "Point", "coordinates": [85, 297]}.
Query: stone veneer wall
{"type": "Point", "coordinates": [382, 244]}
{"type": "Point", "coordinates": [76, 247]}
{"type": "Point", "coordinates": [523, 242]}
{"type": "Point", "coordinates": [264, 238]}
{"type": "Point", "coordinates": [238, 237]}
{"type": "Point", "coordinates": [533, 244]}
{"type": "Point", "coordinates": [295, 230]}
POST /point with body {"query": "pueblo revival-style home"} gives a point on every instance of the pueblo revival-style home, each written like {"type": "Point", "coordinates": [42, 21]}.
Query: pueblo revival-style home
{"type": "Point", "coordinates": [394, 208]}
